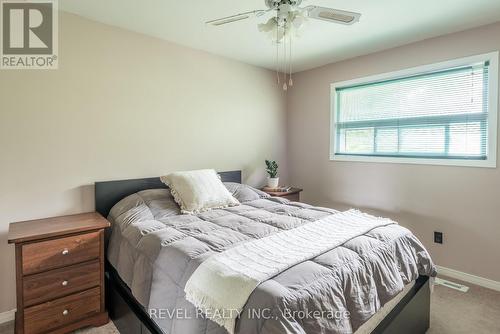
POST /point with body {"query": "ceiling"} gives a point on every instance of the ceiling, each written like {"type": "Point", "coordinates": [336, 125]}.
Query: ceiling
{"type": "Point", "coordinates": [384, 24]}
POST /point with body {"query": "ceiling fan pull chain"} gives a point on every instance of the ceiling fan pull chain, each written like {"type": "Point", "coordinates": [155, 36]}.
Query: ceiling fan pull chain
{"type": "Point", "coordinates": [278, 62]}
{"type": "Point", "coordinates": [285, 86]}
{"type": "Point", "coordinates": [277, 51]}
{"type": "Point", "coordinates": [290, 82]}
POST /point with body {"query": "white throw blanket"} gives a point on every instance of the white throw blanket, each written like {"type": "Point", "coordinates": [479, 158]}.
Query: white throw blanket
{"type": "Point", "coordinates": [221, 285]}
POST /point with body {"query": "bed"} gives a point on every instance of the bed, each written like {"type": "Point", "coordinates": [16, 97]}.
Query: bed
{"type": "Point", "coordinates": [149, 263]}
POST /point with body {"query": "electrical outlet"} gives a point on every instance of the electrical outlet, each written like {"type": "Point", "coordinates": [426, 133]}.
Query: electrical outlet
{"type": "Point", "coordinates": [438, 237]}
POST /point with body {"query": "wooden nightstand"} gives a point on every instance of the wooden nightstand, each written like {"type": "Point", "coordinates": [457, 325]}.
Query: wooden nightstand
{"type": "Point", "coordinates": [292, 195]}
{"type": "Point", "coordinates": [59, 273]}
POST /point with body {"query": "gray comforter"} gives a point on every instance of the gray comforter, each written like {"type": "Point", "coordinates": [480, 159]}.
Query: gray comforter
{"type": "Point", "coordinates": [155, 249]}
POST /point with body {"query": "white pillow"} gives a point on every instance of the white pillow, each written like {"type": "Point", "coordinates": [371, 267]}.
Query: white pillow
{"type": "Point", "coordinates": [198, 190]}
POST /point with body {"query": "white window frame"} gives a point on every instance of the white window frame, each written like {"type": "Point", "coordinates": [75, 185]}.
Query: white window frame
{"type": "Point", "coordinates": [490, 162]}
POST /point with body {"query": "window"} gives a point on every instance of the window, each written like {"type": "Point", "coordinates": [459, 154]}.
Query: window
{"type": "Point", "coordinates": [438, 114]}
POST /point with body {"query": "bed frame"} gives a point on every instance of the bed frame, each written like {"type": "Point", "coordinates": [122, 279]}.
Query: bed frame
{"type": "Point", "coordinates": [410, 316]}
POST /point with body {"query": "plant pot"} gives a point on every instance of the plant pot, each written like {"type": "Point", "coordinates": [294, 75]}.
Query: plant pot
{"type": "Point", "coordinates": [273, 182]}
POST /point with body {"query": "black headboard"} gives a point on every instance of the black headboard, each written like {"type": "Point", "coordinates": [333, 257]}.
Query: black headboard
{"type": "Point", "coordinates": [108, 193]}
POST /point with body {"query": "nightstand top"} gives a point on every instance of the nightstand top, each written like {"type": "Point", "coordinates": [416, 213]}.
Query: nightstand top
{"type": "Point", "coordinates": [57, 226]}
{"type": "Point", "coordinates": [283, 193]}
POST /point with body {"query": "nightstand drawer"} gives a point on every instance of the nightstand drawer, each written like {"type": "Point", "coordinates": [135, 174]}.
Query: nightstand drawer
{"type": "Point", "coordinates": [293, 194]}
{"type": "Point", "coordinates": [293, 197]}
{"type": "Point", "coordinates": [51, 315]}
{"type": "Point", "coordinates": [56, 283]}
{"type": "Point", "coordinates": [56, 253]}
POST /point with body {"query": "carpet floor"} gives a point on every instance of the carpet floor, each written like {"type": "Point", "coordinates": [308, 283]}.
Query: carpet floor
{"type": "Point", "coordinates": [452, 312]}
{"type": "Point", "coordinates": [476, 311]}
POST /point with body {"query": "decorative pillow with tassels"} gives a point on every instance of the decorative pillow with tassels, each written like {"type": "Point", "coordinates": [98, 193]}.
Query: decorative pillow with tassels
{"type": "Point", "coordinates": [198, 190]}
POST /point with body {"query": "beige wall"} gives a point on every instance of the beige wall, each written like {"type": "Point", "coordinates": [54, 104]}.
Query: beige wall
{"type": "Point", "coordinates": [464, 203]}
{"type": "Point", "coordinates": [123, 105]}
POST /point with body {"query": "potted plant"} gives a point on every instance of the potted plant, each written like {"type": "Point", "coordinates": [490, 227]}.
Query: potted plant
{"type": "Point", "coordinates": [272, 170]}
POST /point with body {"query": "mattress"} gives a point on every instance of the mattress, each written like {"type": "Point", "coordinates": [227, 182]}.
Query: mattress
{"type": "Point", "coordinates": [155, 250]}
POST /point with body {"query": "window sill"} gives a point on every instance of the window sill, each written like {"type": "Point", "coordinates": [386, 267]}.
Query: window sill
{"type": "Point", "coordinates": [490, 163]}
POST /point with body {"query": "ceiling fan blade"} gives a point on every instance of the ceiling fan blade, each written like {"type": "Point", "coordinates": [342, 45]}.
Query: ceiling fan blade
{"type": "Point", "coordinates": [237, 17]}
{"type": "Point", "coordinates": [332, 15]}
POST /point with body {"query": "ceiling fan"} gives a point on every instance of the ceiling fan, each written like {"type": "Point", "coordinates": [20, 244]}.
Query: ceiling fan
{"type": "Point", "coordinates": [284, 7]}
{"type": "Point", "coordinates": [287, 19]}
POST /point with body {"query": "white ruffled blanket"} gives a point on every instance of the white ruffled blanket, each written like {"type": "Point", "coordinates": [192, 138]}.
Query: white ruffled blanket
{"type": "Point", "coordinates": [221, 285]}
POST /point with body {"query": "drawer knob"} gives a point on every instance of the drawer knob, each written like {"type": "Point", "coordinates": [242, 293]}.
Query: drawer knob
{"type": "Point", "coordinates": [64, 283]}
{"type": "Point", "coordinates": [65, 312]}
{"type": "Point", "coordinates": [65, 251]}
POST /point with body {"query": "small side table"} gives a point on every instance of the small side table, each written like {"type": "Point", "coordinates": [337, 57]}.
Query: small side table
{"type": "Point", "coordinates": [59, 273]}
{"type": "Point", "coordinates": [292, 195]}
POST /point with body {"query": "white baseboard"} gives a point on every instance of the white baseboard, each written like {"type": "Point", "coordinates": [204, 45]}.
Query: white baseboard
{"type": "Point", "coordinates": [7, 316]}
{"type": "Point", "coordinates": [481, 281]}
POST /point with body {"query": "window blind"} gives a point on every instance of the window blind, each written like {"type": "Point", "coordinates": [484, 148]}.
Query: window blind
{"type": "Point", "coordinates": [442, 115]}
